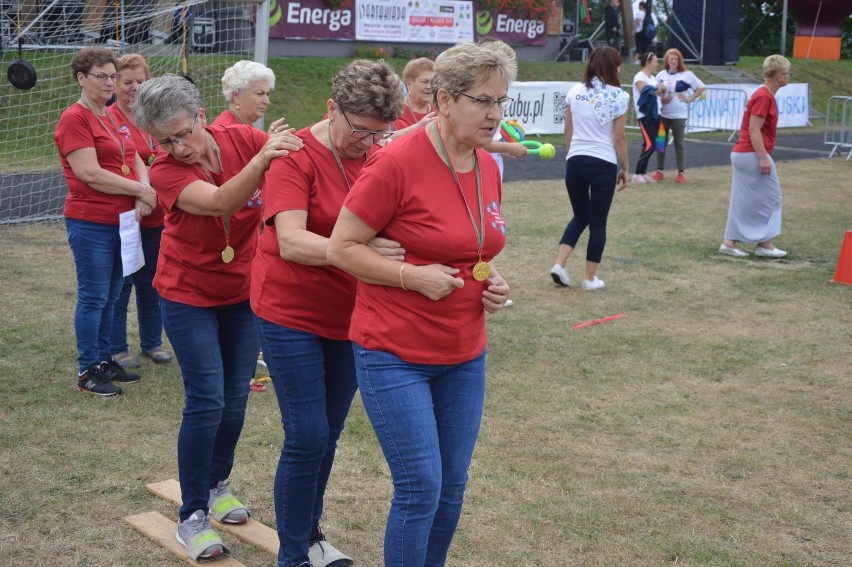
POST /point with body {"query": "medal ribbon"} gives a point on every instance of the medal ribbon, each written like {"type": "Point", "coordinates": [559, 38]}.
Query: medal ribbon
{"type": "Point", "coordinates": [226, 219]}
{"type": "Point", "coordinates": [480, 231]}
{"type": "Point", "coordinates": [337, 158]}
{"type": "Point", "coordinates": [114, 132]}
{"type": "Point", "coordinates": [148, 140]}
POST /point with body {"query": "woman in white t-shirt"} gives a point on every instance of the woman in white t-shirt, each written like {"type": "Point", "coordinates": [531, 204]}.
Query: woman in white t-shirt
{"type": "Point", "coordinates": [646, 101]}
{"type": "Point", "coordinates": [682, 87]}
{"type": "Point", "coordinates": [596, 144]}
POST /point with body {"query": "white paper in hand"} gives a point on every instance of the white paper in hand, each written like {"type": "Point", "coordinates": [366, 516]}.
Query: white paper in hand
{"type": "Point", "coordinates": [132, 257]}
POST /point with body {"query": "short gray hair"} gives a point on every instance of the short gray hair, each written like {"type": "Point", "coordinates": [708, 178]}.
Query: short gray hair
{"type": "Point", "coordinates": [368, 88]}
{"type": "Point", "coordinates": [466, 64]}
{"type": "Point", "coordinates": [162, 100]}
{"type": "Point", "coordinates": [241, 74]}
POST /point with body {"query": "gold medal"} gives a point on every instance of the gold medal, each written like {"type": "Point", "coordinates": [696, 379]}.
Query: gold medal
{"type": "Point", "coordinates": [125, 169]}
{"type": "Point", "coordinates": [228, 254]}
{"type": "Point", "coordinates": [151, 159]}
{"type": "Point", "coordinates": [481, 271]}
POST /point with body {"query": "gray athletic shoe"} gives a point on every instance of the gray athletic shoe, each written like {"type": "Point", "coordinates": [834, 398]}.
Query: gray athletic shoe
{"type": "Point", "coordinates": [201, 542]}
{"type": "Point", "coordinates": [224, 507]}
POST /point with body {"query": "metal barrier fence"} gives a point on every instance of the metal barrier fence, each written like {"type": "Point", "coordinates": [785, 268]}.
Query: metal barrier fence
{"type": "Point", "coordinates": [716, 109]}
{"type": "Point", "coordinates": [838, 125]}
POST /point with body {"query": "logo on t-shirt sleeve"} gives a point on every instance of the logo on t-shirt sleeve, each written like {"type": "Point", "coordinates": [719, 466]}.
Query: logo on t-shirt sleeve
{"type": "Point", "coordinates": [497, 223]}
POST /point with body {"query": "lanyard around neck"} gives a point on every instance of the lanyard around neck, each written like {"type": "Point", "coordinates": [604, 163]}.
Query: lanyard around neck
{"type": "Point", "coordinates": [480, 230]}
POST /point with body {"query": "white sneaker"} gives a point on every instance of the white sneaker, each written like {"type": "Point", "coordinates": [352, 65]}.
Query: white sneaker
{"type": "Point", "coordinates": [594, 284]}
{"type": "Point", "coordinates": [735, 252]}
{"type": "Point", "coordinates": [559, 275]}
{"type": "Point", "coordinates": [639, 178]}
{"type": "Point", "coordinates": [769, 253]}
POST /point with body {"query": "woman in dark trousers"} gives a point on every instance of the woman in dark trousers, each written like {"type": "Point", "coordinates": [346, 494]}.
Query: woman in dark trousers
{"type": "Point", "coordinates": [647, 104]}
{"type": "Point", "coordinates": [596, 143]}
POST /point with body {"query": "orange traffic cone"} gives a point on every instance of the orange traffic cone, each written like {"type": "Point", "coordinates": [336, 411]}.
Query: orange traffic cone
{"type": "Point", "coordinates": [844, 263]}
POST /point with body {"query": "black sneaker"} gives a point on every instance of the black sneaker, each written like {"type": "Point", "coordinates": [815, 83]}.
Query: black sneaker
{"type": "Point", "coordinates": [115, 372]}
{"type": "Point", "coordinates": [93, 381]}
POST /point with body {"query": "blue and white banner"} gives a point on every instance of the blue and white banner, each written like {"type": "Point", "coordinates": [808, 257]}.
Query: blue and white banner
{"type": "Point", "coordinates": [722, 106]}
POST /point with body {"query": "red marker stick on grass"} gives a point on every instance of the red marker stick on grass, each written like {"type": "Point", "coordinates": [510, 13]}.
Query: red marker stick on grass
{"type": "Point", "coordinates": [598, 321]}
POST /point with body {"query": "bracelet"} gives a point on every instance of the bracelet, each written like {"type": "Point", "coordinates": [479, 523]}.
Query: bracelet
{"type": "Point", "coordinates": [402, 277]}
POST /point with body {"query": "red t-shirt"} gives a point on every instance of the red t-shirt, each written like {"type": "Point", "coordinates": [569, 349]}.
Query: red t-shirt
{"type": "Point", "coordinates": [144, 146]}
{"type": "Point", "coordinates": [79, 128]}
{"type": "Point", "coordinates": [227, 118]}
{"type": "Point", "coordinates": [761, 103]}
{"type": "Point", "coordinates": [315, 299]}
{"type": "Point", "coordinates": [190, 269]}
{"type": "Point", "coordinates": [407, 193]}
{"type": "Point", "coordinates": [408, 118]}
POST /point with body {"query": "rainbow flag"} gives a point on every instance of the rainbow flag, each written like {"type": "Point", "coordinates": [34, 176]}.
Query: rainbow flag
{"type": "Point", "coordinates": [585, 15]}
{"type": "Point", "coordinates": [660, 142]}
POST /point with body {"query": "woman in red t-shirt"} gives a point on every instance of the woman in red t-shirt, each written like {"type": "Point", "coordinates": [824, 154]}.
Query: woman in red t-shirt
{"type": "Point", "coordinates": [754, 214]}
{"type": "Point", "coordinates": [133, 70]}
{"type": "Point", "coordinates": [419, 325]}
{"type": "Point", "coordinates": [303, 305]}
{"type": "Point", "coordinates": [418, 111]}
{"type": "Point", "coordinates": [207, 180]}
{"type": "Point", "coordinates": [105, 177]}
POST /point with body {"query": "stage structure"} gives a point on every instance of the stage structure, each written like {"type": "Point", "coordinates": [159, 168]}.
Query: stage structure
{"type": "Point", "coordinates": [706, 31]}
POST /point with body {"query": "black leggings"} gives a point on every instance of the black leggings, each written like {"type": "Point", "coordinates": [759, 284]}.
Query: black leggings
{"type": "Point", "coordinates": [591, 185]}
{"type": "Point", "coordinates": [649, 127]}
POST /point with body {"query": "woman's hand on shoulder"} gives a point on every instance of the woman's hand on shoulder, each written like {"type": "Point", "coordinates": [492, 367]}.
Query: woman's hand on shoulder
{"type": "Point", "coordinates": [434, 281]}
{"type": "Point", "coordinates": [279, 125]}
{"type": "Point", "coordinates": [426, 120]}
{"type": "Point", "coordinates": [278, 145]}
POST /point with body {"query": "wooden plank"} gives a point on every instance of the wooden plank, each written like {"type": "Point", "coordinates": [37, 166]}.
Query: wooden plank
{"type": "Point", "coordinates": [252, 532]}
{"type": "Point", "coordinates": [161, 531]}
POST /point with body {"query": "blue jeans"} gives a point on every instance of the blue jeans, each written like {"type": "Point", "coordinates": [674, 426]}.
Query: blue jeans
{"type": "Point", "coordinates": [314, 380]}
{"type": "Point", "coordinates": [97, 258]}
{"type": "Point", "coordinates": [426, 418]}
{"type": "Point", "coordinates": [147, 300]}
{"type": "Point", "coordinates": [216, 348]}
{"type": "Point", "coordinates": [591, 185]}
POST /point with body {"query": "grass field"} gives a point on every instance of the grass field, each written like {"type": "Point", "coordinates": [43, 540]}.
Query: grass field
{"type": "Point", "coordinates": [709, 426]}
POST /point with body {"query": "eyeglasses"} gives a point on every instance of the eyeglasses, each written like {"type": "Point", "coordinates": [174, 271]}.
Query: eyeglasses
{"type": "Point", "coordinates": [361, 134]}
{"type": "Point", "coordinates": [180, 139]}
{"type": "Point", "coordinates": [790, 73]}
{"type": "Point", "coordinates": [487, 103]}
{"type": "Point", "coordinates": [103, 77]}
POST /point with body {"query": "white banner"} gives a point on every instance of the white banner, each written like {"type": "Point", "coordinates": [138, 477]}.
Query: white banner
{"type": "Point", "coordinates": [425, 21]}
{"type": "Point", "coordinates": [722, 106]}
{"type": "Point", "coordinates": [540, 106]}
